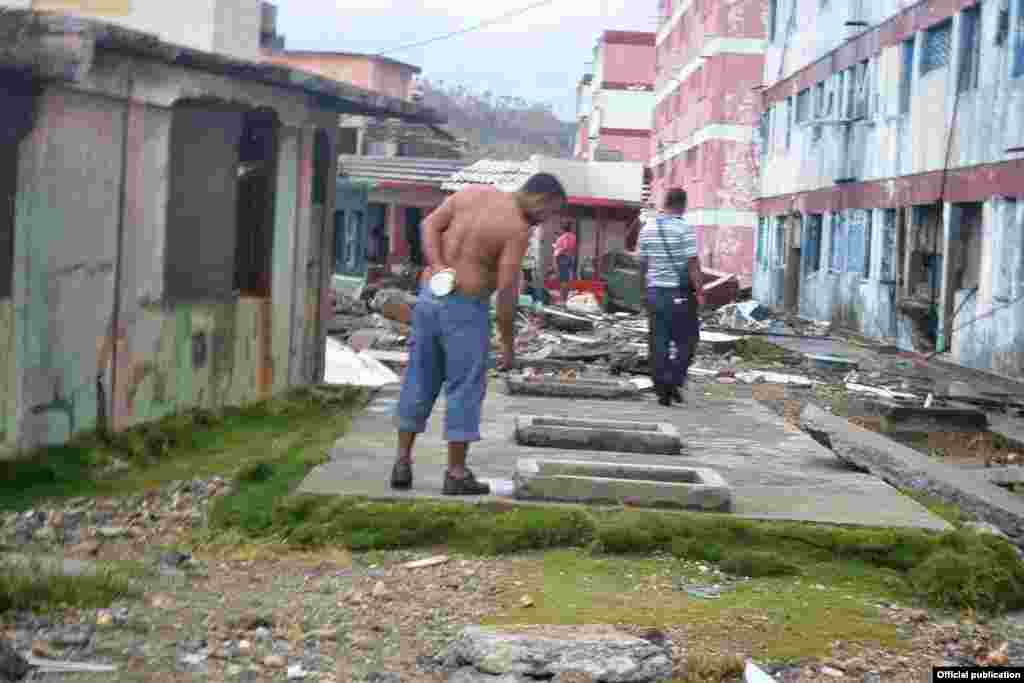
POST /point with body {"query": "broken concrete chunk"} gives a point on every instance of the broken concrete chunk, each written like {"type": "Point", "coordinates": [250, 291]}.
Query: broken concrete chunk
{"type": "Point", "coordinates": [518, 655]}
{"type": "Point", "coordinates": [13, 666]}
{"type": "Point", "coordinates": [597, 435]}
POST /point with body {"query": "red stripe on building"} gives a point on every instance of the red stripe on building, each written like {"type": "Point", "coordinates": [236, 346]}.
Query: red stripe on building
{"type": "Point", "coordinates": [615, 85]}
{"type": "Point", "coordinates": [866, 45]}
{"type": "Point", "coordinates": [971, 184]}
{"type": "Point", "coordinates": [400, 185]}
{"type": "Point", "coordinates": [626, 132]}
{"type": "Point", "coordinates": [630, 38]}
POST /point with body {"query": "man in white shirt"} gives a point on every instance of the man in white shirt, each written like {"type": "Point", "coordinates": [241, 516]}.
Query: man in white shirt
{"type": "Point", "coordinates": [668, 254]}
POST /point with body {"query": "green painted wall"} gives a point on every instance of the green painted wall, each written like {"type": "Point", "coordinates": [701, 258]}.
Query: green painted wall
{"type": "Point", "coordinates": [8, 416]}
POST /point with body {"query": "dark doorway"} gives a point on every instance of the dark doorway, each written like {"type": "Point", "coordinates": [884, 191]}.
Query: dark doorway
{"type": "Point", "coordinates": [413, 218]}
{"type": "Point", "coordinates": [19, 95]}
{"type": "Point", "coordinates": [256, 193]}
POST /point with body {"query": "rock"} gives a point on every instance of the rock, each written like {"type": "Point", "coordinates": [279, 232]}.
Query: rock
{"type": "Point", "coordinates": [254, 622]}
{"type": "Point", "coordinates": [104, 617]}
{"type": "Point", "coordinates": [72, 636]}
{"type": "Point", "coordinates": [296, 672]}
{"type": "Point", "coordinates": [42, 650]}
{"type": "Point", "coordinates": [111, 531]}
{"type": "Point", "coordinates": [380, 590]}
{"type": "Point", "coordinates": [526, 601]}
{"type": "Point", "coordinates": [90, 548]}
{"type": "Point", "coordinates": [244, 647]}
{"type": "Point", "coordinates": [832, 673]}
{"type": "Point", "coordinates": [605, 655]}
{"type": "Point", "coordinates": [13, 666]}
{"type": "Point", "coordinates": [380, 677]}
{"type": "Point", "coordinates": [471, 675]}
{"type": "Point", "coordinates": [174, 559]}
{"type": "Point", "coordinates": [274, 662]}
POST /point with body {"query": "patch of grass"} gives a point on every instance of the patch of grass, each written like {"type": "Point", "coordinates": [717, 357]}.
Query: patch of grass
{"type": "Point", "coordinates": [38, 587]}
{"type": "Point", "coordinates": [709, 669]}
{"type": "Point", "coordinates": [770, 619]}
{"type": "Point", "coordinates": [758, 564]}
{"type": "Point", "coordinates": [757, 350]}
{"type": "Point", "coordinates": [947, 511]}
{"type": "Point", "coordinates": [971, 571]}
{"type": "Point", "coordinates": [193, 444]}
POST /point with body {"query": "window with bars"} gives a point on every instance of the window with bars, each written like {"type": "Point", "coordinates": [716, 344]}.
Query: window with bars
{"type": "Point", "coordinates": [819, 100]}
{"type": "Point", "coordinates": [780, 243]}
{"type": "Point", "coordinates": [837, 243]}
{"type": "Point", "coordinates": [773, 19]}
{"type": "Point", "coordinates": [906, 75]}
{"type": "Point", "coordinates": [803, 105]}
{"type": "Point", "coordinates": [765, 132]}
{"type": "Point", "coordinates": [935, 53]}
{"type": "Point", "coordinates": [970, 48]}
{"type": "Point", "coordinates": [862, 90]}
{"type": "Point", "coordinates": [762, 242]}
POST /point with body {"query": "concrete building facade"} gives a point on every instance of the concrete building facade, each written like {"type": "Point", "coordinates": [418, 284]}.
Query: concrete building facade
{"type": "Point", "coordinates": [709, 64]}
{"type": "Point", "coordinates": [227, 27]}
{"type": "Point", "coordinates": [893, 175]}
{"type": "Point", "coordinates": [615, 99]}
{"type": "Point", "coordinates": [165, 224]}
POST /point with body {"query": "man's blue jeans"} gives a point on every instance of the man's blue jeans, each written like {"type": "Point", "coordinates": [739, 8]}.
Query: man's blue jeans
{"type": "Point", "coordinates": [451, 340]}
{"type": "Point", "coordinates": [672, 322]}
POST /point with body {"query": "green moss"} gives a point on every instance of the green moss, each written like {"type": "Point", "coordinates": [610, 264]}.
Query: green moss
{"type": "Point", "coordinates": [756, 349]}
{"type": "Point", "coordinates": [971, 571]}
{"type": "Point", "coordinates": [758, 564]}
{"type": "Point", "coordinates": [37, 587]}
{"type": "Point", "coordinates": [195, 443]}
{"type": "Point", "coordinates": [769, 618]}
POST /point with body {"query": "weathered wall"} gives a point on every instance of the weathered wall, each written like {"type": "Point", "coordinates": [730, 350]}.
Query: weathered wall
{"type": "Point", "coordinates": [627, 63]}
{"type": "Point", "coordinates": [160, 357]}
{"type": "Point", "coordinates": [388, 78]}
{"type": "Point", "coordinates": [7, 370]}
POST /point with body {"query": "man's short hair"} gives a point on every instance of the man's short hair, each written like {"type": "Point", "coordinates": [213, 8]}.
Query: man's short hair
{"type": "Point", "coordinates": [675, 200]}
{"type": "Point", "coordinates": [545, 184]}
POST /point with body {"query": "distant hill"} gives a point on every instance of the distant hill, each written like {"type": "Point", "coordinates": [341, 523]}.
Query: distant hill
{"type": "Point", "coordinates": [499, 127]}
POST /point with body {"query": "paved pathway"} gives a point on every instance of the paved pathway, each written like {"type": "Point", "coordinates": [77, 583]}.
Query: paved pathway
{"type": "Point", "coordinates": [776, 471]}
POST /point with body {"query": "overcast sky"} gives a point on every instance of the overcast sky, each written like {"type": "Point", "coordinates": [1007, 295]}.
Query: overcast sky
{"type": "Point", "coordinates": [539, 55]}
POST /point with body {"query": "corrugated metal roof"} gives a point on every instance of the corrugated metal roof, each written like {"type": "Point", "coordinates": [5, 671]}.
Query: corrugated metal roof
{"type": "Point", "coordinates": [508, 176]}
{"type": "Point", "coordinates": [410, 170]}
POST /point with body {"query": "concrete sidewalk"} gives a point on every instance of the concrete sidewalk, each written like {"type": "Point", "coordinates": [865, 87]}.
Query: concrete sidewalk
{"type": "Point", "coordinates": [776, 472]}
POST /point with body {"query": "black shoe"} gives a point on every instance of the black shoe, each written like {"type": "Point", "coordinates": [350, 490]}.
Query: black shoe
{"type": "Point", "coordinates": [664, 395]}
{"type": "Point", "coordinates": [401, 475]}
{"type": "Point", "coordinates": [467, 486]}
{"type": "Point", "coordinates": [677, 396]}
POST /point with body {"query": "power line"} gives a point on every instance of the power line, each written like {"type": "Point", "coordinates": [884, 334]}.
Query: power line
{"type": "Point", "coordinates": [469, 29]}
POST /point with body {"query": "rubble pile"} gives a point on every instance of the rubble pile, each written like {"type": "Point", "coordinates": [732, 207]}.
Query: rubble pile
{"type": "Point", "coordinates": [750, 316]}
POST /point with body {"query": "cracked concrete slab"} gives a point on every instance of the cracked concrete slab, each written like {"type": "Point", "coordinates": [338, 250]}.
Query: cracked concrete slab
{"type": "Point", "coordinates": [775, 471]}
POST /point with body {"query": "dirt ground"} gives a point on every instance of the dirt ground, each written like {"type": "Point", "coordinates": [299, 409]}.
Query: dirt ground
{"type": "Point", "coordinates": [963, 449]}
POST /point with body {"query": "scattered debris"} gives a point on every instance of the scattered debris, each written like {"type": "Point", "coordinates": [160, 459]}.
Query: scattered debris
{"type": "Point", "coordinates": [428, 562]}
{"type": "Point", "coordinates": [345, 366]}
{"type": "Point", "coordinates": [753, 674]}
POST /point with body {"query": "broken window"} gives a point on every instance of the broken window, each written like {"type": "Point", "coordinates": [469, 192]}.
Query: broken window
{"type": "Point", "coordinates": [321, 168]}
{"type": "Point", "coordinates": [764, 131]}
{"type": "Point", "coordinates": [789, 121]}
{"type": "Point", "coordinates": [906, 75]}
{"type": "Point", "coordinates": [803, 105]}
{"type": "Point", "coordinates": [254, 227]}
{"type": "Point", "coordinates": [869, 236]}
{"type": "Point", "coordinates": [856, 223]}
{"type": "Point", "coordinates": [935, 53]}
{"type": "Point", "coordinates": [965, 246]}
{"type": "Point", "coordinates": [1018, 46]}
{"type": "Point", "coordinates": [812, 250]}
{"type": "Point", "coordinates": [378, 233]}
{"type": "Point", "coordinates": [762, 242]}
{"type": "Point", "coordinates": [924, 272]}
{"type": "Point", "coordinates": [1002, 23]}
{"type": "Point", "coordinates": [862, 90]}
{"type": "Point", "coordinates": [888, 272]}
{"type": "Point", "coordinates": [970, 48]}
{"type": "Point", "coordinates": [780, 242]}
{"type": "Point", "coordinates": [837, 241]}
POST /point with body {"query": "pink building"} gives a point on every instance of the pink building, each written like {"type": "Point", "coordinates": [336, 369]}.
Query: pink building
{"type": "Point", "coordinates": [615, 99]}
{"type": "Point", "coordinates": [372, 72]}
{"type": "Point", "coordinates": [709, 65]}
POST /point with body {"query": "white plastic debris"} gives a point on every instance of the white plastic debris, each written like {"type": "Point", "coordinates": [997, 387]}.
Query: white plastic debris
{"type": "Point", "coordinates": [345, 366]}
{"type": "Point", "coordinates": [774, 378]}
{"type": "Point", "coordinates": [753, 674]}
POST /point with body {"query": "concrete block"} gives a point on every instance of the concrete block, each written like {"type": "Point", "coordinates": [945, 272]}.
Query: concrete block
{"type": "Point", "coordinates": [578, 388]}
{"type": "Point", "coordinates": [909, 470]}
{"type": "Point", "coordinates": [574, 481]}
{"type": "Point", "coordinates": [598, 435]}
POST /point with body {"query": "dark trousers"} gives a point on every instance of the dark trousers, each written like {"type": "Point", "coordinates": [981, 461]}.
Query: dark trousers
{"type": "Point", "coordinates": [671, 322]}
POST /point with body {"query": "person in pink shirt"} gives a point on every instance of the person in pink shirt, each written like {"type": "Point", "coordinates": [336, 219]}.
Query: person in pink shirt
{"type": "Point", "coordinates": [565, 258]}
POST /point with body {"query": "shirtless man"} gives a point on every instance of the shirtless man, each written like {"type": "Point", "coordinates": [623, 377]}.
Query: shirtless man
{"type": "Point", "coordinates": [482, 234]}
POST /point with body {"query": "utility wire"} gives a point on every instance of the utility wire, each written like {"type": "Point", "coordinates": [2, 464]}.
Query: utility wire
{"type": "Point", "coordinates": [469, 29]}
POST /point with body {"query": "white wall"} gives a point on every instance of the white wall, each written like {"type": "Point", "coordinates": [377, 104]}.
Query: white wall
{"type": "Point", "coordinates": [627, 109]}
{"type": "Point", "coordinates": [621, 180]}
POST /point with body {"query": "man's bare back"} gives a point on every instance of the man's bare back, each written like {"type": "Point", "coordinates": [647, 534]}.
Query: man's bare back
{"type": "Point", "coordinates": [473, 232]}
